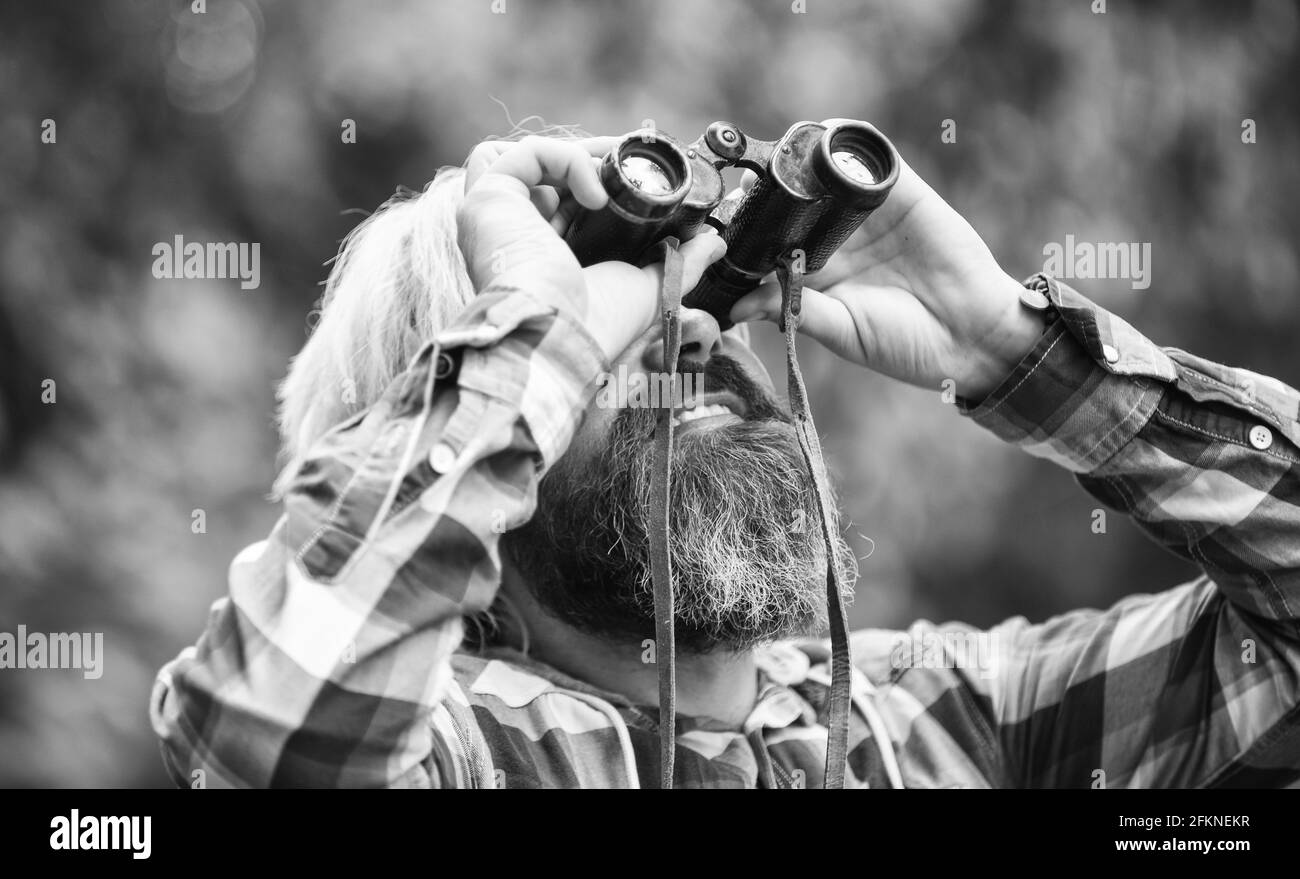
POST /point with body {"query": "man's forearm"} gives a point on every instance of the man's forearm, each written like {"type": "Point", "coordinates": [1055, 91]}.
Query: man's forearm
{"type": "Point", "coordinates": [323, 664]}
{"type": "Point", "coordinates": [1203, 457]}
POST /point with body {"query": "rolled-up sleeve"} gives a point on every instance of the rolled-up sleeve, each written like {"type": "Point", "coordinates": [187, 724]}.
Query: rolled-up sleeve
{"type": "Point", "coordinates": [1194, 685]}
{"type": "Point", "coordinates": [322, 665]}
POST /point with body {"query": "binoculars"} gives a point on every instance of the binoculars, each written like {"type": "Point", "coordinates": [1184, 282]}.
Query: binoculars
{"type": "Point", "coordinates": [815, 186]}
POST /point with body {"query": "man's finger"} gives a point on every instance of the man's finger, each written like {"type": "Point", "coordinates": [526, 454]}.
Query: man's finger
{"type": "Point", "coordinates": [485, 154]}
{"type": "Point", "coordinates": [837, 268]}
{"type": "Point", "coordinates": [822, 317]}
{"type": "Point", "coordinates": [698, 254]}
{"type": "Point", "coordinates": [564, 214]}
{"type": "Point", "coordinates": [482, 157]}
{"type": "Point", "coordinates": [546, 199]}
{"type": "Point", "coordinates": [567, 208]}
{"type": "Point", "coordinates": [598, 147]}
{"type": "Point", "coordinates": [566, 165]}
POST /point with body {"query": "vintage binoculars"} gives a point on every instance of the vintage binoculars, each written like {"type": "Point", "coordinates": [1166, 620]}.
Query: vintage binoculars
{"type": "Point", "coordinates": [815, 186]}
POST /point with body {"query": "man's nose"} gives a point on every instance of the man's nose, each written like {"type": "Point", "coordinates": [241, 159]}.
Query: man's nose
{"type": "Point", "coordinates": [701, 339]}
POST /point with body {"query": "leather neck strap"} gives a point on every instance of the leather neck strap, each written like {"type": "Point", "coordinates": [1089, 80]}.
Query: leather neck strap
{"type": "Point", "coordinates": [661, 569]}
{"type": "Point", "coordinates": [838, 702]}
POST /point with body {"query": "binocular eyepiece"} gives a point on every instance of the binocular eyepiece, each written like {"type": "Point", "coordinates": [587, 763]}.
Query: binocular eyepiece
{"type": "Point", "coordinates": [815, 187]}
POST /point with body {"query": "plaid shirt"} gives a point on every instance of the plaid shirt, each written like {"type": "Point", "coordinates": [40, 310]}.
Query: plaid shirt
{"type": "Point", "coordinates": [334, 660]}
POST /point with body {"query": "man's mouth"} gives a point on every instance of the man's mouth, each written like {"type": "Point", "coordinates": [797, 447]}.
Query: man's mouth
{"type": "Point", "coordinates": [711, 410]}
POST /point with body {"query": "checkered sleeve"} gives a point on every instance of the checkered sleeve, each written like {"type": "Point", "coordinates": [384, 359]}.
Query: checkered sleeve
{"type": "Point", "coordinates": [322, 664]}
{"type": "Point", "coordinates": [1197, 685]}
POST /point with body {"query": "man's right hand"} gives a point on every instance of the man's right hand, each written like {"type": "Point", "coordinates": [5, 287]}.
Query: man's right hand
{"type": "Point", "coordinates": [519, 199]}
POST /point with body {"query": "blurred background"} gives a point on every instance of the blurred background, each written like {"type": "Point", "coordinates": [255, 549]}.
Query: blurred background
{"type": "Point", "coordinates": [226, 126]}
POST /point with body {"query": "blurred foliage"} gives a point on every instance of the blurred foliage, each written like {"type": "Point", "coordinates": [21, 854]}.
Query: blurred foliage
{"type": "Point", "coordinates": [226, 127]}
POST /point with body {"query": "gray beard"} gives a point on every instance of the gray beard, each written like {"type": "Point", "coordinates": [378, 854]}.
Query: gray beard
{"type": "Point", "coordinates": [748, 558]}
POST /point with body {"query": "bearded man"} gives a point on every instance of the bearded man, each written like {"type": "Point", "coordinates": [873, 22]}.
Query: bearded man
{"type": "Point", "coordinates": [458, 593]}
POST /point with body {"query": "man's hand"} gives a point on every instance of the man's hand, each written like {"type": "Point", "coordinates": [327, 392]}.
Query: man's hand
{"type": "Point", "coordinates": [914, 294]}
{"type": "Point", "coordinates": [519, 199]}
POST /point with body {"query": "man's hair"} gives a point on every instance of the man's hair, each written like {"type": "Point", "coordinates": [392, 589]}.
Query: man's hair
{"type": "Point", "coordinates": [398, 280]}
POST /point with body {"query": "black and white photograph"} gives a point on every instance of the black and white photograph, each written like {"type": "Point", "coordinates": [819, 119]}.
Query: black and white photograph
{"type": "Point", "coordinates": [651, 394]}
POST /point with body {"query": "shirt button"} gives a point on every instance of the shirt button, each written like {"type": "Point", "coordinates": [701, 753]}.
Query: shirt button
{"type": "Point", "coordinates": [1110, 352]}
{"type": "Point", "coordinates": [1261, 437]}
{"type": "Point", "coordinates": [442, 458]}
{"type": "Point", "coordinates": [392, 439]}
{"type": "Point", "coordinates": [1033, 298]}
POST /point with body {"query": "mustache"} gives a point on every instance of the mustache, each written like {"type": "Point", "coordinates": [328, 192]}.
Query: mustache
{"type": "Point", "coordinates": [720, 373]}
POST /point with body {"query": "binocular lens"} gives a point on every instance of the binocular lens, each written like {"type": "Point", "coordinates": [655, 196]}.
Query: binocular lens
{"type": "Point", "coordinates": [647, 175]}
{"type": "Point", "coordinates": [856, 164]}
{"type": "Point", "coordinates": [853, 166]}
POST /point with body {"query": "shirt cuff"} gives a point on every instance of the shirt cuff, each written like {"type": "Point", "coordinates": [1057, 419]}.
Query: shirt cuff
{"type": "Point", "coordinates": [1084, 391]}
{"type": "Point", "coordinates": [515, 350]}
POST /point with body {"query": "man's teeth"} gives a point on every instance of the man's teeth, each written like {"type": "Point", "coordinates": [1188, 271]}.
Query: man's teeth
{"type": "Point", "coordinates": [698, 412]}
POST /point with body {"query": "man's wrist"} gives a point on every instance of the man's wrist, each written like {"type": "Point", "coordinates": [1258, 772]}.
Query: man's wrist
{"type": "Point", "coordinates": [1010, 341]}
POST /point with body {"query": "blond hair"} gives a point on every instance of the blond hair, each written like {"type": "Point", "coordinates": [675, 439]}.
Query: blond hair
{"type": "Point", "coordinates": [399, 278]}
